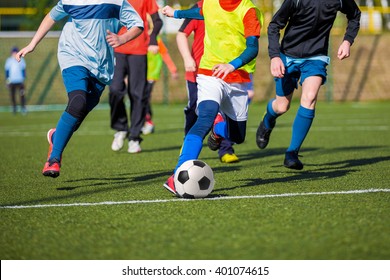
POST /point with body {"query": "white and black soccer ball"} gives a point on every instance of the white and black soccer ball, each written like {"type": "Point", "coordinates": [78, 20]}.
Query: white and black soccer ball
{"type": "Point", "coordinates": [194, 179]}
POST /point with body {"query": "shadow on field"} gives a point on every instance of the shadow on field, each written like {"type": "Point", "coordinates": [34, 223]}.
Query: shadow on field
{"type": "Point", "coordinates": [327, 170]}
{"type": "Point", "coordinates": [124, 178]}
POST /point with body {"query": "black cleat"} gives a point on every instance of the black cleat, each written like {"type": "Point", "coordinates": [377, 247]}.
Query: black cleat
{"type": "Point", "coordinates": [214, 141]}
{"type": "Point", "coordinates": [262, 135]}
{"type": "Point", "coordinates": [291, 161]}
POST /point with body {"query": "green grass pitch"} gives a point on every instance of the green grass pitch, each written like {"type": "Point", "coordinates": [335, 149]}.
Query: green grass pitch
{"type": "Point", "coordinates": [111, 205]}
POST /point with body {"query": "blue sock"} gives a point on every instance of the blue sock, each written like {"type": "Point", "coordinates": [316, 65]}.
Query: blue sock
{"type": "Point", "coordinates": [191, 148]}
{"type": "Point", "coordinates": [221, 130]}
{"type": "Point", "coordinates": [193, 141]}
{"type": "Point", "coordinates": [64, 131]}
{"type": "Point", "coordinates": [301, 127]}
{"type": "Point", "coordinates": [270, 116]}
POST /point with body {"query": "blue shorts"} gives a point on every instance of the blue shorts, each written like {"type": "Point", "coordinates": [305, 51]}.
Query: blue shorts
{"type": "Point", "coordinates": [299, 69]}
{"type": "Point", "coordinates": [80, 78]}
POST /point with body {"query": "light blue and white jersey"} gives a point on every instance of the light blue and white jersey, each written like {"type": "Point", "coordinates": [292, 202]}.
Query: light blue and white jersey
{"type": "Point", "coordinates": [15, 72]}
{"type": "Point", "coordinates": [83, 38]}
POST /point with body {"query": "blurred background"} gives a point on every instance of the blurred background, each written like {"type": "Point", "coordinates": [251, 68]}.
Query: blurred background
{"type": "Point", "coordinates": [362, 77]}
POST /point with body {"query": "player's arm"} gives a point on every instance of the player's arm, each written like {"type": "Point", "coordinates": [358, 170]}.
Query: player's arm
{"type": "Point", "coordinates": [133, 23]}
{"type": "Point", "coordinates": [352, 11]}
{"type": "Point", "coordinates": [250, 52]}
{"type": "Point", "coordinates": [278, 22]}
{"type": "Point", "coordinates": [6, 74]}
{"type": "Point", "coordinates": [157, 25]}
{"type": "Point", "coordinates": [115, 40]}
{"type": "Point", "coordinates": [187, 27]}
{"type": "Point", "coordinates": [185, 51]}
{"type": "Point", "coordinates": [353, 14]}
{"type": "Point", "coordinates": [45, 26]}
{"type": "Point", "coordinates": [194, 13]}
{"type": "Point", "coordinates": [6, 70]}
{"type": "Point", "coordinates": [166, 57]}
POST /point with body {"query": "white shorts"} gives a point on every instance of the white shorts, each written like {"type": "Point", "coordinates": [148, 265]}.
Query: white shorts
{"type": "Point", "coordinates": [232, 98]}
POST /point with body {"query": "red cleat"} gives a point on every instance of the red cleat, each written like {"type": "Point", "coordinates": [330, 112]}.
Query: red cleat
{"type": "Point", "coordinates": [52, 169]}
{"type": "Point", "coordinates": [170, 185]}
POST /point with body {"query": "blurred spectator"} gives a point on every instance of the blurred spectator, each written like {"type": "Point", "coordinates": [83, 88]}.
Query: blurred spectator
{"type": "Point", "coordinates": [15, 75]}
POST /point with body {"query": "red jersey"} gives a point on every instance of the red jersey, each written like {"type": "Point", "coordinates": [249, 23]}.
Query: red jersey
{"type": "Point", "coordinates": [196, 26]}
{"type": "Point", "coordinates": [139, 45]}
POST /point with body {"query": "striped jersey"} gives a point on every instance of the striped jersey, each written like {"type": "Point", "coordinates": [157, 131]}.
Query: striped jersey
{"type": "Point", "coordinates": [83, 38]}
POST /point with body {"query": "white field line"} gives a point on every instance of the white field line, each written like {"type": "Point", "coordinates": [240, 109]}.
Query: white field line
{"type": "Point", "coordinates": [192, 200]}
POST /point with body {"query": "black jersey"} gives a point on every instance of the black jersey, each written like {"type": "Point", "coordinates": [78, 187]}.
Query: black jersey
{"type": "Point", "coordinates": [308, 26]}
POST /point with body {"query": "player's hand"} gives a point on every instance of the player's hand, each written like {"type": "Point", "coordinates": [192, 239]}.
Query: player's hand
{"type": "Point", "coordinates": [167, 11]}
{"type": "Point", "coordinates": [277, 67]}
{"type": "Point", "coordinates": [344, 50]}
{"type": "Point", "coordinates": [114, 40]}
{"type": "Point", "coordinates": [190, 64]}
{"type": "Point", "coordinates": [23, 52]}
{"type": "Point", "coordinates": [175, 76]}
{"type": "Point", "coordinates": [154, 49]}
{"type": "Point", "coordinates": [222, 70]}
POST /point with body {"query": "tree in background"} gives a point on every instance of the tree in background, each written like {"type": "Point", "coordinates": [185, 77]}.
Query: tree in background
{"type": "Point", "coordinates": [43, 7]}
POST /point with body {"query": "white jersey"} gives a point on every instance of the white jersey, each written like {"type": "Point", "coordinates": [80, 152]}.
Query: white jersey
{"type": "Point", "coordinates": [83, 38]}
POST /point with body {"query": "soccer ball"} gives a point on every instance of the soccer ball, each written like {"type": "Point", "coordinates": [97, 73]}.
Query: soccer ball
{"type": "Point", "coordinates": [194, 179]}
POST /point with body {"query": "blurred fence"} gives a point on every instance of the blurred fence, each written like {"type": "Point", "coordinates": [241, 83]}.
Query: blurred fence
{"type": "Point", "coordinates": [375, 20]}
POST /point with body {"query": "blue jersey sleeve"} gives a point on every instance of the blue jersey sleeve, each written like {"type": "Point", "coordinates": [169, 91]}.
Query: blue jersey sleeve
{"type": "Point", "coordinates": [193, 13]}
{"type": "Point", "coordinates": [250, 53]}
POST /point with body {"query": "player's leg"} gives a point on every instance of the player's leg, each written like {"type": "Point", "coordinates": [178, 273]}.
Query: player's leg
{"type": "Point", "coordinates": [192, 145]}
{"type": "Point", "coordinates": [148, 92]}
{"type": "Point", "coordinates": [278, 106]}
{"type": "Point", "coordinates": [190, 109]}
{"type": "Point", "coordinates": [313, 76]}
{"type": "Point", "coordinates": [117, 92]}
{"type": "Point", "coordinates": [209, 97]}
{"type": "Point", "coordinates": [12, 94]}
{"type": "Point", "coordinates": [234, 106]}
{"type": "Point", "coordinates": [81, 100]}
{"type": "Point", "coordinates": [303, 121]}
{"type": "Point", "coordinates": [138, 99]}
{"type": "Point", "coordinates": [193, 141]}
{"type": "Point", "coordinates": [226, 152]}
{"type": "Point", "coordinates": [148, 126]}
{"type": "Point", "coordinates": [22, 99]}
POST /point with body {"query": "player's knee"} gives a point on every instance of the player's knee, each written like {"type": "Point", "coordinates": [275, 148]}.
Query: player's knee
{"type": "Point", "coordinates": [77, 104]}
{"type": "Point", "coordinates": [282, 108]}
